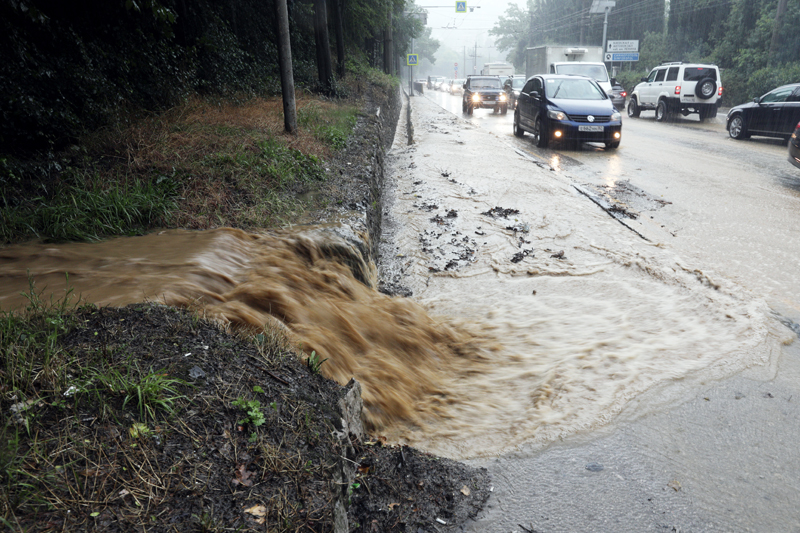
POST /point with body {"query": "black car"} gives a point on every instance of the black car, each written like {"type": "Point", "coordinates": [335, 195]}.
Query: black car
{"type": "Point", "coordinates": [775, 114]}
{"type": "Point", "coordinates": [794, 147]}
{"type": "Point", "coordinates": [484, 92]}
{"type": "Point", "coordinates": [512, 86]}
{"type": "Point", "coordinates": [562, 107]}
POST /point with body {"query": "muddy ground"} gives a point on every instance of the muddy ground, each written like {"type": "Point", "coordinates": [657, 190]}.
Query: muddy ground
{"type": "Point", "coordinates": [209, 466]}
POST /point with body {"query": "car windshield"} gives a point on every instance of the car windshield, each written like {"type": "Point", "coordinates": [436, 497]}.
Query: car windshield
{"type": "Point", "coordinates": [484, 83]}
{"type": "Point", "coordinates": [597, 72]}
{"type": "Point", "coordinates": [517, 83]}
{"type": "Point", "coordinates": [699, 73]}
{"type": "Point", "coordinates": [573, 90]}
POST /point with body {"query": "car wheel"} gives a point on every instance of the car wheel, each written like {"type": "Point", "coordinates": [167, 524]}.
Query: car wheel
{"type": "Point", "coordinates": [633, 108]}
{"type": "Point", "coordinates": [661, 111]}
{"type": "Point", "coordinates": [706, 88]}
{"type": "Point", "coordinates": [539, 135]}
{"type": "Point", "coordinates": [612, 145]}
{"type": "Point", "coordinates": [504, 110]}
{"type": "Point", "coordinates": [519, 132]}
{"type": "Point", "coordinates": [736, 128]}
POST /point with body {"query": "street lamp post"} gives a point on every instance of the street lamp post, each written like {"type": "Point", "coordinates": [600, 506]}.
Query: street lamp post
{"type": "Point", "coordinates": [603, 6]}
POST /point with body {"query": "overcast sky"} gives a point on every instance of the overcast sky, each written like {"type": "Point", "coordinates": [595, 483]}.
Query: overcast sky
{"type": "Point", "coordinates": [457, 31]}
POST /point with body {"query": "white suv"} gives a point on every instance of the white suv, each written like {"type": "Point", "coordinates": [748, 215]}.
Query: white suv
{"type": "Point", "coordinates": [673, 88]}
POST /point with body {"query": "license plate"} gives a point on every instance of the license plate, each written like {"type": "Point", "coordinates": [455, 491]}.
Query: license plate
{"type": "Point", "coordinates": [590, 128]}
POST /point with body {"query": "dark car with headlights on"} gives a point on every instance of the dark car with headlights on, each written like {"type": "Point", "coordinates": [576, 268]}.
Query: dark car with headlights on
{"type": "Point", "coordinates": [567, 108]}
{"type": "Point", "coordinates": [774, 114]}
{"type": "Point", "coordinates": [794, 147]}
{"type": "Point", "coordinates": [484, 92]}
{"type": "Point", "coordinates": [512, 86]}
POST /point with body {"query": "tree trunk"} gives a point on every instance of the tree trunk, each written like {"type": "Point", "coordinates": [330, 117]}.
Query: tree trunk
{"type": "Point", "coordinates": [338, 28]}
{"type": "Point", "coordinates": [324, 69]}
{"type": "Point", "coordinates": [388, 47]}
{"type": "Point", "coordinates": [285, 62]}
{"type": "Point", "coordinates": [776, 30]}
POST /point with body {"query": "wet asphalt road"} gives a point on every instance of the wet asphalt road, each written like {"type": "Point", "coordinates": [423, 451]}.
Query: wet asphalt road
{"type": "Point", "coordinates": [721, 456]}
{"type": "Point", "coordinates": [735, 204]}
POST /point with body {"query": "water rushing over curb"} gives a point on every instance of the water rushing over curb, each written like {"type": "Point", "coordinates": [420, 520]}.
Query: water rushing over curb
{"type": "Point", "coordinates": [505, 367]}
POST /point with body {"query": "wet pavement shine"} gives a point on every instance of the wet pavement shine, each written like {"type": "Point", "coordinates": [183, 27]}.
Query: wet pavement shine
{"type": "Point", "coordinates": [644, 304]}
{"type": "Point", "coordinates": [613, 334]}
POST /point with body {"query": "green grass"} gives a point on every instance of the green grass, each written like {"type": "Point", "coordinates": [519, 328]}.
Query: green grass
{"type": "Point", "coordinates": [77, 212]}
{"type": "Point", "coordinates": [331, 126]}
{"type": "Point", "coordinates": [150, 393]}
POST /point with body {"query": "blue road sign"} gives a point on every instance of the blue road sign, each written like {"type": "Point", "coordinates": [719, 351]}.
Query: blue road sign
{"type": "Point", "coordinates": [412, 60]}
{"type": "Point", "coordinates": [623, 56]}
{"type": "Point", "coordinates": [461, 7]}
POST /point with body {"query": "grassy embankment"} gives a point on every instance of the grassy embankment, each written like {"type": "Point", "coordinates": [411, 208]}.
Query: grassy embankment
{"type": "Point", "coordinates": [199, 166]}
{"type": "Point", "coordinates": [87, 409]}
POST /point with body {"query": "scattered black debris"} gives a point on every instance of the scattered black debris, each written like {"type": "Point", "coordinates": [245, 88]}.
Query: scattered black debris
{"type": "Point", "coordinates": [558, 255]}
{"type": "Point", "coordinates": [426, 207]}
{"type": "Point", "coordinates": [445, 174]}
{"type": "Point", "coordinates": [395, 289]}
{"type": "Point", "coordinates": [499, 212]}
{"type": "Point", "coordinates": [768, 395]}
{"type": "Point", "coordinates": [522, 254]}
{"type": "Point", "coordinates": [418, 182]}
{"type": "Point", "coordinates": [479, 232]}
{"type": "Point", "coordinates": [452, 213]}
{"type": "Point", "coordinates": [522, 227]}
{"type": "Point", "coordinates": [594, 467]}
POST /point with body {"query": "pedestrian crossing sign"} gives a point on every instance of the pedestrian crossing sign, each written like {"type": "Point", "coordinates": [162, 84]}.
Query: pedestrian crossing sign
{"type": "Point", "coordinates": [461, 7]}
{"type": "Point", "coordinates": [412, 60]}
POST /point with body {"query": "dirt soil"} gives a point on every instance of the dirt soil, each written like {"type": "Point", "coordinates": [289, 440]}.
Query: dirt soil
{"type": "Point", "coordinates": [212, 465]}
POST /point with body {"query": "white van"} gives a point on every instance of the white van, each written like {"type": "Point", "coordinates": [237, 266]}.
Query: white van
{"type": "Point", "coordinates": [584, 68]}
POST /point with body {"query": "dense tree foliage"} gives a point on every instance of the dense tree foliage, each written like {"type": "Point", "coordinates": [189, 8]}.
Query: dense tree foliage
{"type": "Point", "coordinates": [754, 42]}
{"type": "Point", "coordinates": [70, 67]}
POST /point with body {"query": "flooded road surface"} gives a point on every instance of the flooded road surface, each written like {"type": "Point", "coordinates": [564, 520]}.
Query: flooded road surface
{"type": "Point", "coordinates": [616, 372]}
{"type": "Point", "coordinates": [731, 204]}
{"type": "Point", "coordinates": [695, 453]}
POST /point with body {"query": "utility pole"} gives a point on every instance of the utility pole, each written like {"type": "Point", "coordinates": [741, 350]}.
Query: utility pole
{"type": "Point", "coordinates": [603, 6]}
{"type": "Point", "coordinates": [285, 62]}
{"type": "Point", "coordinates": [388, 47]}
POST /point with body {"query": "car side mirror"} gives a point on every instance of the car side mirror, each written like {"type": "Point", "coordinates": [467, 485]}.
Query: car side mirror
{"type": "Point", "coordinates": [535, 95]}
{"type": "Point", "coordinates": [644, 79]}
{"type": "Point", "coordinates": [756, 100]}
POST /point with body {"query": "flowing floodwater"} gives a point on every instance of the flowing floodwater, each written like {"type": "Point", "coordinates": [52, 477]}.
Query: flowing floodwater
{"type": "Point", "coordinates": [516, 367]}
{"type": "Point", "coordinates": [534, 314]}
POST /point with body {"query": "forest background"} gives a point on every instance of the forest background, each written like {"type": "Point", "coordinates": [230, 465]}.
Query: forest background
{"type": "Point", "coordinates": [754, 42]}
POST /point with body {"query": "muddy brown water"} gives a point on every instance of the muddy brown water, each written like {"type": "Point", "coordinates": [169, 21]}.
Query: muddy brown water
{"type": "Point", "coordinates": [304, 282]}
{"type": "Point", "coordinates": [460, 379]}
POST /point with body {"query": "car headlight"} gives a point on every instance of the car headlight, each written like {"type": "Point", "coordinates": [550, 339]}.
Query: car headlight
{"type": "Point", "coordinates": [616, 116]}
{"type": "Point", "coordinates": [556, 115]}
{"type": "Point", "coordinates": [503, 97]}
{"type": "Point", "coordinates": [476, 97]}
